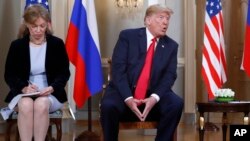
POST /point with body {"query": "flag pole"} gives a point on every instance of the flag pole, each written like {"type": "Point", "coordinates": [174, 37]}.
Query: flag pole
{"type": "Point", "coordinates": [89, 115]}
{"type": "Point", "coordinates": [88, 135]}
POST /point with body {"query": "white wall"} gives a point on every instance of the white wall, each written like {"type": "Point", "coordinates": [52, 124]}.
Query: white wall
{"type": "Point", "coordinates": [111, 21]}
{"type": "Point", "coordinates": [176, 27]}
{"type": "Point", "coordinates": [9, 24]}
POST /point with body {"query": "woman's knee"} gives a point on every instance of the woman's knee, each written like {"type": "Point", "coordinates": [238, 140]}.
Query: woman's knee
{"type": "Point", "coordinates": [41, 105]}
{"type": "Point", "coordinates": [25, 105]}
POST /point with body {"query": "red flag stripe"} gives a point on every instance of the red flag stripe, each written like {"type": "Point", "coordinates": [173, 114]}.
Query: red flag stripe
{"type": "Point", "coordinates": [211, 57]}
{"type": "Point", "coordinates": [211, 68]}
{"type": "Point", "coordinates": [71, 43]}
{"type": "Point", "coordinates": [212, 43]}
{"type": "Point", "coordinates": [204, 74]}
{"type": "Point", "coordinates": [80, 86]}
{"type": "Point", "coordinates": [210, 78]}
{"type": "Point", "coordinates": [246, 54]}
{"type": "Point", "coordinates": [246, 58]}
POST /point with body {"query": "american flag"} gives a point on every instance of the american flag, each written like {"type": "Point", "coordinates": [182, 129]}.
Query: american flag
{"type": "Point", "coordinates": [213, 53]}
{"type": "Point", "coordinates": [42, 2]}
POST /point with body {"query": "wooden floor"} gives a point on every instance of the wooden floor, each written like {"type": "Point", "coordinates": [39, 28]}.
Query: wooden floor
{"type": "Point", "coordinates": [186, 132]}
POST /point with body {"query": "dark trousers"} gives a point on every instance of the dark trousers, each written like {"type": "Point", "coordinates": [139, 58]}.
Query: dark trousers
{"type": "Point", "coordinates": [167, 112]}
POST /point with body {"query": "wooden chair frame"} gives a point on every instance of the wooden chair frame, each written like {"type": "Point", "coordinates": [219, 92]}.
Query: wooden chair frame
{"type": "Point", "coordinates": [55, 119]}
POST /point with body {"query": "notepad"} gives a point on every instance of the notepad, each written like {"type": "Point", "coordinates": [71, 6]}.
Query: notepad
{"type": "Point", "coordinates": [15, 100]}
{"type": "Point", "coordinates": [6, 111]}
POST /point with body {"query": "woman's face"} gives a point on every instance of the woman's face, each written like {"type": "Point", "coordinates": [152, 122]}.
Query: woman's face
{"type": "Point", "coordinates": [38, 29]}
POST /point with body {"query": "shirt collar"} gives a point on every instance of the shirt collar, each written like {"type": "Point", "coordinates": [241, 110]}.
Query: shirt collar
{"type": "Point", "coordinates": [150, 37]}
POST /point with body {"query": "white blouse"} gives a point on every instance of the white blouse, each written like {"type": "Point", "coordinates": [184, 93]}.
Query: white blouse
{"type": "Point", "coordinates": [37, 61]}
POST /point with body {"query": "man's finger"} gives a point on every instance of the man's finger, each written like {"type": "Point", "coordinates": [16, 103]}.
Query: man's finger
{"type": "Point", "coordinates": [145, 113]}
{"type": "Point", "coordinates": [138, 102]}
{"type": "Point", "coordinates": [137, 113]}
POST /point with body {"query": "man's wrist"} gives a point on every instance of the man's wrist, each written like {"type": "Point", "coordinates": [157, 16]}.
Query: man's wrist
{"type": "Point", "coordinates": [157, 98]}
{"type": "Point", "coordinates": [128, 98]}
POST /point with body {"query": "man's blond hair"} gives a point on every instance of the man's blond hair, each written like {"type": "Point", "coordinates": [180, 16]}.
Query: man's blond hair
{"type": "Point", "coordinates": [156, 8]}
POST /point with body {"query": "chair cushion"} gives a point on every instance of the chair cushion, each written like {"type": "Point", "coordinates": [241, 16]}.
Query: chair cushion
{"type": "Point", "coordinates": [56, 114]}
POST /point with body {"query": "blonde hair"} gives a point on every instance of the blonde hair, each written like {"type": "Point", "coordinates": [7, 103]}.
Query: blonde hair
{"type": "Point", "coordinates": [156, 8]}
{"type": "Point", "coordinates": [31, 14]}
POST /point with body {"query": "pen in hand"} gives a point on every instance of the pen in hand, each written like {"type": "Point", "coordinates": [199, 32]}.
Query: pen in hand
{"type": "Point", "coordinates": [30, 83]}
{"type": "Point", "coordinates": [34, 87]}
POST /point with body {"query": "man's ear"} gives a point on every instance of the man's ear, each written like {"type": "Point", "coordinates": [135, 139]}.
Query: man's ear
{"type": "Point", "coordinates": [148, 20]}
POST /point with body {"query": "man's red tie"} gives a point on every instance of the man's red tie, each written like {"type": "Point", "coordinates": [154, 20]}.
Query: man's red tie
{"type": "Point", "coordinates": [143, 81]}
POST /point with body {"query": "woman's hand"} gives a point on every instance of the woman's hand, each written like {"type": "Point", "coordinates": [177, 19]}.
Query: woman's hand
{"type": "Point", "coordinates": [46, 91]}
{"type": "Point", "coordinates": [31, 88]}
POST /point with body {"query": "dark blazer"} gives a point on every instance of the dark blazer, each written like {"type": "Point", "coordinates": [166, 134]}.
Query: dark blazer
{"type": "Point", "coordinates": [17, 67]}
{"type": "Point", "coordinates": [128, 59]}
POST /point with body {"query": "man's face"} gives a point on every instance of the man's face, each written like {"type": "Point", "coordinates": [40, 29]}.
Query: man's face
{"type": "Point", "coordinates": [158, 23]}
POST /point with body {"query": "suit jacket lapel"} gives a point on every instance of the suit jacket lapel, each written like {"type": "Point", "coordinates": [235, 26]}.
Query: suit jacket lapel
{"type": "Point", "coordinates": [158, 55]}
{"type": "Point", "coordinates": [143, 41]}
{"type": "Point", "coordinates": [142, 53]}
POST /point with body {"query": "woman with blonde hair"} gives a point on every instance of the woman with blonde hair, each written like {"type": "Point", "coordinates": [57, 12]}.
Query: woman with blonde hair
{"type": "Point", "coordinates": [36, 62]}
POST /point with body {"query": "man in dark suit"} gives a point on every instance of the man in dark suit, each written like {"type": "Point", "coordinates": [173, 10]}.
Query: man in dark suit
{"type": "Point", "coordinates": [129, 58]}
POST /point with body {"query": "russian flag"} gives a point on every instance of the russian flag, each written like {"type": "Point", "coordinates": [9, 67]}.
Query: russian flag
{"type": "Point", "coordinates": [246, 54]}
{"type": "Point", "coordinates": [83, 49]}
